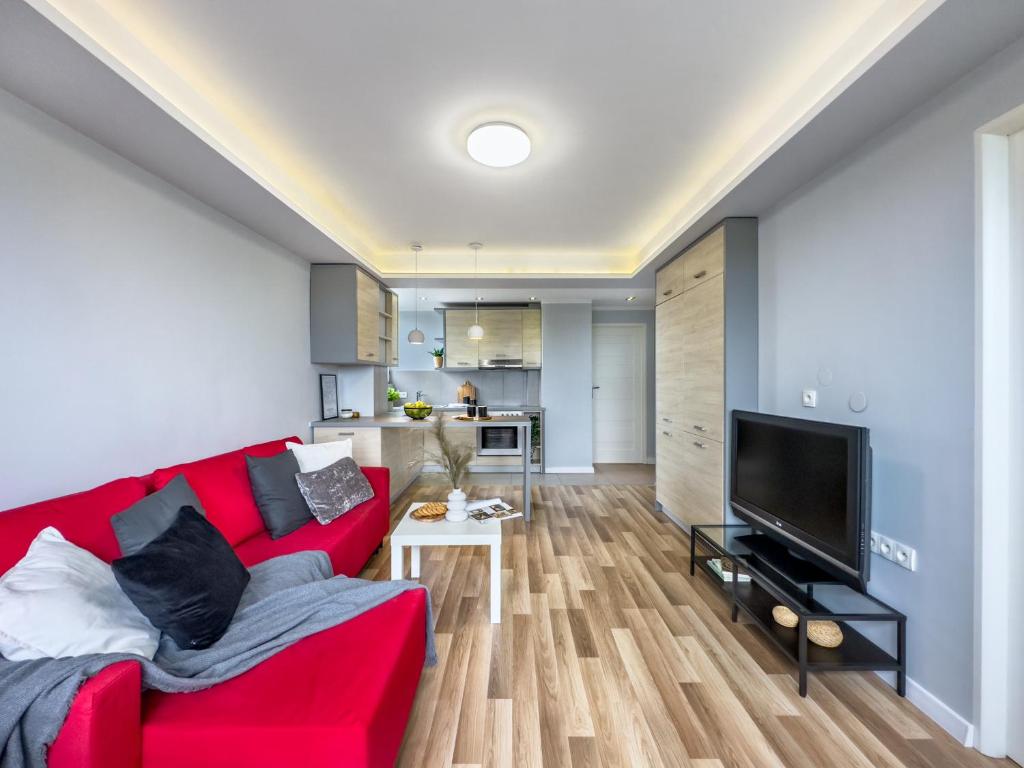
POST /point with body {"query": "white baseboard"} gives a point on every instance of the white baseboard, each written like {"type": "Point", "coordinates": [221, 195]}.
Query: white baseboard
{"type": "Point", "coordinates": [570, 470]}
{"type": "Point", "coordinates": [935, 709]}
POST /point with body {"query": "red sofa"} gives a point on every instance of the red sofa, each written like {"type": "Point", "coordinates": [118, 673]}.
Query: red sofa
{"type": "Point", "coordinates": [340, 697]}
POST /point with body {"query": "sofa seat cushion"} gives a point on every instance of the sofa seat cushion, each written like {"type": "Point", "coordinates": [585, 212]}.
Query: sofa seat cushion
{"type": "Point", "coordinates": [82, 518]}
{"type": "Point", "coordinates": [348, 541]}
{"type": "Point", "coordinates": [338, 698]}
{"type": "Point", "coordinates": [222, 484]}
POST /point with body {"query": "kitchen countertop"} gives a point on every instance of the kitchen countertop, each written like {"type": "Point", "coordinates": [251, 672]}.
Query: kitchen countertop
{"type": "Point", "coordinates": [400, 420]}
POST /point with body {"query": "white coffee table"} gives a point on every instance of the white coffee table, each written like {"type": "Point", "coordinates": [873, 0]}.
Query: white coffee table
{"type": "Point", "coordinates": [469, 533]}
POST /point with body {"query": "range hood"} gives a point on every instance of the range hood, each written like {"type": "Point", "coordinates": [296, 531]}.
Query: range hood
{"type": "Point", "coordinates": [502, 363]}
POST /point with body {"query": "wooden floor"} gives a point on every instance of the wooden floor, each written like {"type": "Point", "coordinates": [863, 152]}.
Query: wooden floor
{"type": "Point", "coordinates": [610, 654]}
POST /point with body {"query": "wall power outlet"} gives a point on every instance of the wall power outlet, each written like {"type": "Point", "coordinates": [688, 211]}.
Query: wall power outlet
{"type": "Point", "coordinates": [903, 555]}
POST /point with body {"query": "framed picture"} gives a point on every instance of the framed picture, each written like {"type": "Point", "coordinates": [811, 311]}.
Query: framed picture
{"type": "Point", "coordinates": [328, 396]}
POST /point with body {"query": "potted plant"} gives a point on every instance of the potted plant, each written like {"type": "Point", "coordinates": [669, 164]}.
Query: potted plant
{"type": "Point", "coordinates": [393, 396]}
{"type": "Point", "coordinates": [438, 353]}
{"type": "Point", "coordinates": [454, 460]}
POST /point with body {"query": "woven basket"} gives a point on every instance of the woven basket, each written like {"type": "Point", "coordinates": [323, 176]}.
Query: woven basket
{"type": "Point", "coordinates": [784, 616]}
{"type": "Point", "coordinates": [827, 634]}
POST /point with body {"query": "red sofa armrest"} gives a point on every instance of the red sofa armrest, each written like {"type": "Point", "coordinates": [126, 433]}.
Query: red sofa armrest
{"type": "Point", "coordinates": [103, 728]}
{"type": "Point", "coordinates": [380, 481]}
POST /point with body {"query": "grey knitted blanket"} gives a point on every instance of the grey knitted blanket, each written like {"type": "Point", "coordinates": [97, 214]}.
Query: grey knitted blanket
{"type": "Point", "coordinates": [287, 599]}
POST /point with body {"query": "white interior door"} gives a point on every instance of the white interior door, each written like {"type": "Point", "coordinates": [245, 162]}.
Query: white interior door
{"type": "Point", "coordinates": [620, 409]}
{"type": "Point", "coordinates": [1015, 610]}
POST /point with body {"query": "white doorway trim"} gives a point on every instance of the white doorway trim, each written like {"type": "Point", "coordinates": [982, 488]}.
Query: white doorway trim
{"type": "Point", "coordinates": [997, 445]}
{"type": "Point", "coordinates": [641, 347]}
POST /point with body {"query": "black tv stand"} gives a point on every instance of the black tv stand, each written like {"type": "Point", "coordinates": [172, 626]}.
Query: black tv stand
{"type": "Point", "coordinates": [776, 577]}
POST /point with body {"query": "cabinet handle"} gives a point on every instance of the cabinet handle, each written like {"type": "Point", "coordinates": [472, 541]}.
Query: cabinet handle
{"type": "Point", "coordinates": [371, 354]}
{"type": "Point", "coordinates": [463, 362]}
{"type": "Point", "coordinates": [700, 444]}
{"type": "Point", "coordinates": [700, 274]}
{"type": "Point", "coordinates": [345, 434]}
{"type": "Point", "coordinates": [699, 428]}
{"type": "Point", "coordinates": [667, 293]}
{"type": "Point", "coordinates": [666, 419]}
{"type": "Point", "coordinates": [666, 434]}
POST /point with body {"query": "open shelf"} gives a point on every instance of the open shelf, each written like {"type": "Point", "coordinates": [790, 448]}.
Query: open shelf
{"type": "Point", "coordinates": [856, 651]}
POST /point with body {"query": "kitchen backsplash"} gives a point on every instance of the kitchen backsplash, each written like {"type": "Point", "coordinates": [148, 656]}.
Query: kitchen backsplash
{"type": "Point", "coordinates": [493, 387]}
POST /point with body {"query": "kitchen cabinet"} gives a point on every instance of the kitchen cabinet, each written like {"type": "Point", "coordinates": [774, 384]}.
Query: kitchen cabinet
{"type": "Point", "coordinates": [459, 350]}
{"type": "Point", "coordinates": [705, 367]}
{"type": "Point", "coordinates": [503, 334]}
{"type": "Point", "coordinates": [531, 338]}
{"type": "Point", "coordinates": [398, 449]}
{"type": "Point", "coordinates": [353, 318]}
{"type": "Point", "coordinates": [509, 334]}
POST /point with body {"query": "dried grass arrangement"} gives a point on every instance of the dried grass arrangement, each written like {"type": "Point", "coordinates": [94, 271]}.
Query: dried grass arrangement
{"type": "Point", "coordinates": [453, 458]}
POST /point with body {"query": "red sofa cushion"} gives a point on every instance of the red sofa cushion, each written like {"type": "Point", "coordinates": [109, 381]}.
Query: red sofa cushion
{"type": "Point", "coordinates": [222, 485]}
{"type": "Point", "coordinates": [339, 698]}
{"type": "Point", "coordinates": [349, 540]}
{"type": "Point", "coordinates": [83, 518]}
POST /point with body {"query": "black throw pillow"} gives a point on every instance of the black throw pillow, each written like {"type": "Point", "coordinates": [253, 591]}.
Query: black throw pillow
{"type": "Point", "coordinates": [147, 518]}
{"type": "Point", "coordinates": [277, 494]}
{"type": "Point", "coordinates": [187, 581]}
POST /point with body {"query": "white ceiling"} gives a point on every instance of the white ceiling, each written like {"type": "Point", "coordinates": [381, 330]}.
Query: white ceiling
{"type": "Point", "coordinates": [643, 114]}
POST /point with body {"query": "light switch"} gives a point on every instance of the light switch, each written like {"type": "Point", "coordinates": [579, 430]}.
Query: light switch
{"type": "Point", "coordinates": [809, 399]}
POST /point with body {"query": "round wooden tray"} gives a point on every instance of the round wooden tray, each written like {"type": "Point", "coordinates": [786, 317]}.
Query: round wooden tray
{"type": "Point", "coordinates": [430, 512]}
{"type": "Point", "coordinates": [473, 418]}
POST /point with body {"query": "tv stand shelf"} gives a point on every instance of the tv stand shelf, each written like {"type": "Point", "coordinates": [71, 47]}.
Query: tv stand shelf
{"type": "Point", "coordinates": [777, 578]}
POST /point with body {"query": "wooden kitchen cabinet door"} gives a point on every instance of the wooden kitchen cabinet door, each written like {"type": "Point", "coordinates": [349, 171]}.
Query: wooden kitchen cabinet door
{"type": "Point", "coordinates": [702, 349]}
{"type": "Point", "coordinates": [459, 350]}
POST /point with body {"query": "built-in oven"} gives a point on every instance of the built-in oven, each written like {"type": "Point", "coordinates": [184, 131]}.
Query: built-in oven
{"type": "Point", "coordinates": [499, 440]}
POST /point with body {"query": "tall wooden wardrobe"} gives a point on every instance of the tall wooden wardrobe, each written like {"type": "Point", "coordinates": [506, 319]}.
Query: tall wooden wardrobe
{"type": "Point", "coordinates": [705, 366]}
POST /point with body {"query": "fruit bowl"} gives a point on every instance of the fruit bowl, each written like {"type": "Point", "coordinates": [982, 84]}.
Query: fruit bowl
{"type": "Point", "coordinates": [418, 410]}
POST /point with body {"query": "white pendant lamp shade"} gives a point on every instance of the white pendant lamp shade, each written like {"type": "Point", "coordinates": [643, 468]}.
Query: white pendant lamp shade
{"type": "Point", "coordinates": [416, 335]}
{"type": "Point", "coordinates": [476, 331]}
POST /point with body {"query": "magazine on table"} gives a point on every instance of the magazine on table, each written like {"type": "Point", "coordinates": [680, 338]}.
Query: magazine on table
{"type": "Point", "coordinates": [491, 509]}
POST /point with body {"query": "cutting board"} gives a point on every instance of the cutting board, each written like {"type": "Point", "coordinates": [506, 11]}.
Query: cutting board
{"type": "Point", "coordinates": [465, 390]}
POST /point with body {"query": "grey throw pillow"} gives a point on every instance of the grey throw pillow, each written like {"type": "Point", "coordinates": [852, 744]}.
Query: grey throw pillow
{"type": "Point", "coordinates": [277, 496]}
{"type": "Point", "coordinates": [147, 518]}
{"type": "Point", "coordinates": [332, 491]}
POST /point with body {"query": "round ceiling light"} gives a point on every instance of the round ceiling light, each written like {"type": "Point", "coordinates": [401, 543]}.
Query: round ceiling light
{"type": "Point", "coordinates": [498, 145]}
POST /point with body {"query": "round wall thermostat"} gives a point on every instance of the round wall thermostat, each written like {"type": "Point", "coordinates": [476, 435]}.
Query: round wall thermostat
{"type": "Point", "coordinates": [858, 402]}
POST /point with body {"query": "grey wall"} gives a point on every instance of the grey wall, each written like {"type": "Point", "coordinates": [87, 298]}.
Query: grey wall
{"type": "Point", "coordinates": [645, 316]}
{"type": "Point", "coordinates": [140, 328]}
{"type": "Point", "coordinates": [416, 357]}
{"type": "Point", "coordinates": [869, 272]}
{"type": "Point", "coordinates": [565, 385]}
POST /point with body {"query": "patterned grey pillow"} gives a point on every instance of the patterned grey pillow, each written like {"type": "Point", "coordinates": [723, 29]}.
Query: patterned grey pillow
{"type": "Point", "coordinates": [334, 490]}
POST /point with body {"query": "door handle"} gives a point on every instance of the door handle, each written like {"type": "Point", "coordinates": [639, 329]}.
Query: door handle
{"type": "Point", "coordinates": [592, 389]}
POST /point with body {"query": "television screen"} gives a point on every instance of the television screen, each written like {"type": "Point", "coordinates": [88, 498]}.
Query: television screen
{"type": "Point", "coordinates": [805, 482]}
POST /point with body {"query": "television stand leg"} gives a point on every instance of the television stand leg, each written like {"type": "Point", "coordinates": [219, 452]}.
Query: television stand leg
{"type": "Point", "coordinates": [802, 652]}
{"type": "Point", "coordinates": [901, 657]}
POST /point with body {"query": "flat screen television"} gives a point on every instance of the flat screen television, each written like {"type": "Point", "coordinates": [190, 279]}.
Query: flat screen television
{"type": "Point", "coordinates": [808, 485]}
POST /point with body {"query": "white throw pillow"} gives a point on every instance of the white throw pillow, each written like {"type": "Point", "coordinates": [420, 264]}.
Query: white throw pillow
{"type": "Point", "coordinates": [60, 600]}
{"type": "Point", "coordinates": [316, 456]}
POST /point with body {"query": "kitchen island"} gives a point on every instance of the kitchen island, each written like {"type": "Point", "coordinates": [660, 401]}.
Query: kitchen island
{"type": "Point", "coordinates": [357, 430]}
